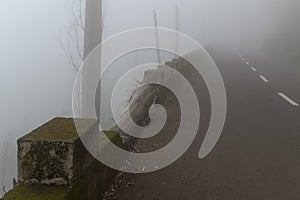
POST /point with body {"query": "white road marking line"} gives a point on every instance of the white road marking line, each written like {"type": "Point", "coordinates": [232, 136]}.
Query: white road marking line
{"type": "Point", "coordinates": [264, 79]}
{"type": "Point", "coordinates": [247, 63]}
{"type": "Point", "coordinates": [253, 69]}
{"type": "Point", "coordinates": [243, 59]}
{"type": "Point", "coordinates": [293, 103]}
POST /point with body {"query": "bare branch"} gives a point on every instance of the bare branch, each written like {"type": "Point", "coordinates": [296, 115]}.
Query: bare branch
{"type": "Point", "coordinates": [70, 40]}
{"type": "Point", "coordinates": [78, 17]}
{"type": "Point", "coordinates": [68, 52]}
{"type": "Point", "coordinates": [81, 15]}
{"type": "Point", "coordinates": [80, 54]}
{"type": "Point", "coordinates": [71, 57]}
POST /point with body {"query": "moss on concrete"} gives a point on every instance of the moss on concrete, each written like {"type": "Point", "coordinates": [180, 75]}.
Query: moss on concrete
{"type": "Point", "coordinates": [21, 192]}
{"type": "Point", "coordinates": [114, 137]}
{"type": "Point", "coordinates": [59, 129]}
{"type": "Point", "coordinates": [92, 182]}
{"type": "Point", "coordinates": [97, 176]}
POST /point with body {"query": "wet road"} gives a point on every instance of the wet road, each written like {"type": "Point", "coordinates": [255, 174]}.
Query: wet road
{"type": "Point", "coordinates": [258, 154]}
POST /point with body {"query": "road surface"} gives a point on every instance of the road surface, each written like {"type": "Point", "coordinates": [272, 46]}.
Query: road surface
{"type": "Point", "coordinates": [258, 154]}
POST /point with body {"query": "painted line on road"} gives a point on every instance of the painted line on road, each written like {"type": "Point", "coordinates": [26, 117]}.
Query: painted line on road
{"type": "Point", "coordinates": [247, 63]}
{"type": "Point", "coordinates": [292, 102]}
{"type": "Point", "coordinates": [264, 79]}
{"type": "Point", "coordinates": [253, 69]}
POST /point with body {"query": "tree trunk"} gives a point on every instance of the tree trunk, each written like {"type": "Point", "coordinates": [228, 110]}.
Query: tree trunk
{"type": "Point", "coordinates": [92, 38]}
{"type": "Point", "coordinates": [93, 25]}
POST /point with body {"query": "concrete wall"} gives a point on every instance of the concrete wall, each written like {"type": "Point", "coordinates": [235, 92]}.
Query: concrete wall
{"type": "Point", "coordinates": [53, 164]}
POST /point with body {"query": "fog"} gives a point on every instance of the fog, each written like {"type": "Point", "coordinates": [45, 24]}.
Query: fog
{"type": "Point", "coordinates": [35, 79]}
{"type": "Point", "coordinates": [36, 76]}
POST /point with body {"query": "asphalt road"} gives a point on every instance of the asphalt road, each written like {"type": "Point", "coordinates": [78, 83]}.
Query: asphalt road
{"type": "Point", "coordinates": [258, 154]}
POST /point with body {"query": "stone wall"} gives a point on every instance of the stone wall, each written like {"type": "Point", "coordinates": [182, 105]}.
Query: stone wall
{"type": "Point", "coordinates": [53, 164]}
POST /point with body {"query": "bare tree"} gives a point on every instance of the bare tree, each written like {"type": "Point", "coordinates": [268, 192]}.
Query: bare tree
{"type": "Point", "coordinates": [70, 39]}
{"type": "Point", "coordinates": [92, 38]}
{"type": "Point", "coordinates": [82, 35]}
{"type": "Point", "coordinates": [93, 25]}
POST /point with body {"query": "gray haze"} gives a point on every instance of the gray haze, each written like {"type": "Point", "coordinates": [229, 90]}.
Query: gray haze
{"type": "Point", "coordinates": [36, 77]}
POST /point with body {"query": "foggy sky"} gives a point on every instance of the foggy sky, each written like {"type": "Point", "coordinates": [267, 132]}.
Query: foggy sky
{"type": "Point", "coordinates": [36, 78]}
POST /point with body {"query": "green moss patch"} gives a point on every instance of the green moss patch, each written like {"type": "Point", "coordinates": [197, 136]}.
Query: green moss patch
{"type": "Point", "coordinates": [91, 184]}
{"type": "Point", "coordinates": [37, 193]}
{"type": "Point", "coordinates": [114, 137]}
{"type": "Point", "coordinates": [59, 129]}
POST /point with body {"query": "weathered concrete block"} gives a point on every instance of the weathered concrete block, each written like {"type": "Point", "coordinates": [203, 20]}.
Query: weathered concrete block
{"type": "Point", "coordinates": [178, 60]}
{"type": "Point", "coordinates": [162, 67]}
{"type": "Point", "coordinates": [170, 63]}
{"type": "Point", "coordinates": [91, 179]}
{"type": "Point", "coordinates": [157, 75]}
{"type": "Point", "coordinates": [53, 154]}
{"type": "Point", "coordinates": [178, 63]}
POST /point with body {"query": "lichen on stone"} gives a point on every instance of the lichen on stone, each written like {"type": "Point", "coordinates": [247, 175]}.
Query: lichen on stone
{"type": "Point", "coordinates": [39, 165]}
